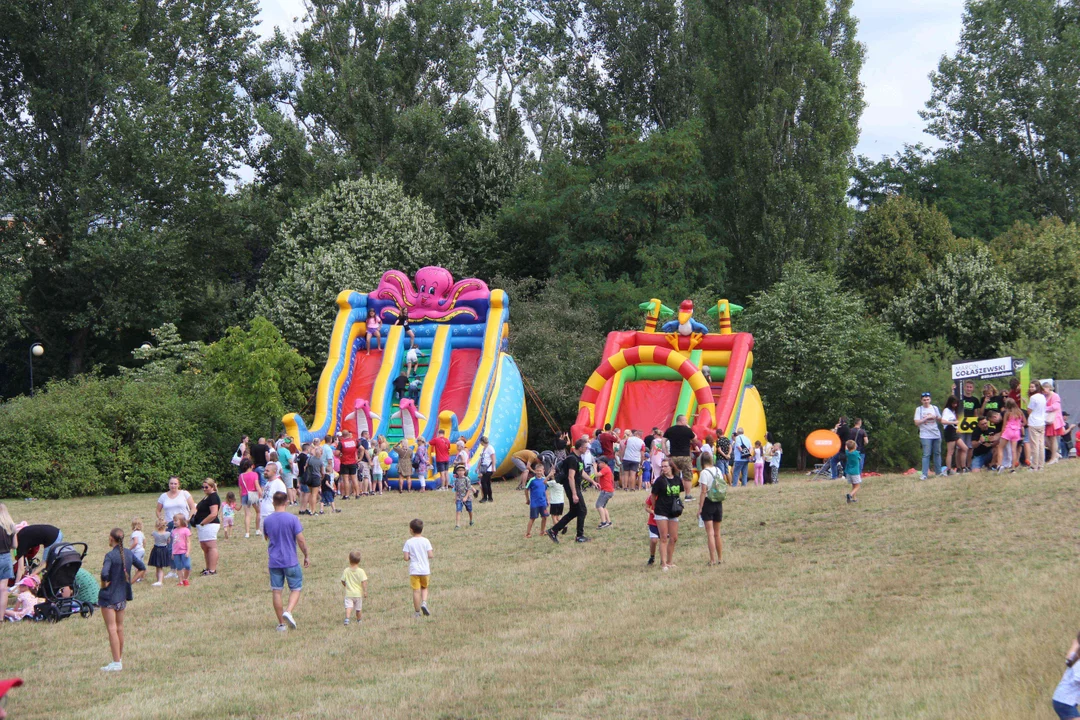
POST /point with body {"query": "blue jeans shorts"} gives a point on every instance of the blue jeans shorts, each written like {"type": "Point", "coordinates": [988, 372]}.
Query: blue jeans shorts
{"type": "Point", "coordinates": [293, 575]}
{"type": "Point", "coordinates": [535, 512]}
{"type": "Point", "coordinates": [327, 497]}
{"type": "Point", "coordinates": [181, 562]}
{"type": "Point", "coordinates": [467, 504]}
{"type": "Point", "coordinates": [7, 568]}
{"type": "Point", "coordinates": [1065, 711]}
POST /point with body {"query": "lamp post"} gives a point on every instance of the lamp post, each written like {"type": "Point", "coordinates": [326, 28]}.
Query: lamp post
{"type": "Point", "coordinates": [145, 346]}
{"type": "Point", "coordinates": [36, 350]}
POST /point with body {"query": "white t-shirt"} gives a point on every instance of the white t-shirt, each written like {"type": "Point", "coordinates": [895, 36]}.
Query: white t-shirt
{"type": "Point", "coordinates": [267, 505]}
{"type": "Point", "coordinates": [928, 430]}
{"type": "Point", "coordinates": [1068, 690]}
{"type": "Point", "coordinates": [1037, 411]}
{"type": "Point", "coordinates": [170, 507]}
{"type": "Point", "coordinates": [948, 415]}
{"type": "Point", "coordinates": [461, 458]}
{"type": "Point", "coordinates": [418, 547]}
{"type": "Point", "coordinates": [487, 459]}
{"type": "Point", "coordinates": [707, 477]}
{"type": "Point", "coordinates": [632, 449]}
{"type": "Point", "coordinates": [139, 538]}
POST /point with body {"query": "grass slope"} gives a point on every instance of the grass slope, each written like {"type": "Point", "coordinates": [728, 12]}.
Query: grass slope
{"type": "Point", "coordinates": [947, 598]}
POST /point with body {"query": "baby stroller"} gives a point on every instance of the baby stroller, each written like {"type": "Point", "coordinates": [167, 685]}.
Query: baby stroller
{"type": "Point", "coordinates": [61, 565]}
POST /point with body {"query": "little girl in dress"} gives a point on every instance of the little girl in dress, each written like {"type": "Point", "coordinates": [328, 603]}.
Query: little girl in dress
{"type": "Point", "coordinates": [759, 463]}
{"type": "Point", "coordinates": [1011, 433]}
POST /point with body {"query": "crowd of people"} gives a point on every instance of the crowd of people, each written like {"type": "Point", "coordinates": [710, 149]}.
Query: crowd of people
{"type": "Point", "coordinates": [998, 431]}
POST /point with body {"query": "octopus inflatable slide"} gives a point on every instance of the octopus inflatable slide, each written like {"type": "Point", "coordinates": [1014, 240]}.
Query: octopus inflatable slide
{"type": "Point", "coordinates": [465, 382]}
{"type": "Point", "coordinates": [650, 377]}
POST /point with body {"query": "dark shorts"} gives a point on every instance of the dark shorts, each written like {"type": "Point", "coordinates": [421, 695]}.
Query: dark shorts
{"type": "Point", "coordinates": [442, 466]}
{"type": "Point", "coordinates": [1065, 711]}
{"type": "Point", "coordinates": [535, 512]}
{"type": "Point", "coordinates": [349, 469]}
{"type": "Point", "coordinates": [950, 433]}
{"type": "Point", "coordinates": [327, 497]}
{"type": "Point", "coordinates": [712, 511]}
{"type": "Point", "coordinates": [556, 508]}
{"type": "Point", "coordinates": [630, 466]}
{"type": "Point", "coordinates": [519, 464]}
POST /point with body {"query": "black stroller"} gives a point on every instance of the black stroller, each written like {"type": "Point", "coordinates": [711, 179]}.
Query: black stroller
{"type": "Point", "coordinates": [61, 565]}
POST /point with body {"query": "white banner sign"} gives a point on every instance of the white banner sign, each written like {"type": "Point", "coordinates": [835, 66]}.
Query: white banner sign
{"type": "Point", "coordinates": [998, 367]}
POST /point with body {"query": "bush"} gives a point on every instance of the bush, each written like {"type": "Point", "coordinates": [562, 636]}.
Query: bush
{"type": "Point", "coordinates": [96, 436]}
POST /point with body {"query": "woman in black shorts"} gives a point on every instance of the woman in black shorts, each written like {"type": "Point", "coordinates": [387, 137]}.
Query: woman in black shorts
{"type": "Point", "coordinates": [667, 488]}
{"type": "Point", "coordinates": [951, 422]}
{"type": "Point", "coordinates": [711, 512]}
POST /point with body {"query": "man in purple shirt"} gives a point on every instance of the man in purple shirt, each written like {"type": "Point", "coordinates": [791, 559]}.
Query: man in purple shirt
{"type": "Point", "coordinates": [283, 533]}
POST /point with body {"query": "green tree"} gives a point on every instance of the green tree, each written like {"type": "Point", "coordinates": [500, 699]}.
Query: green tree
{"type": "Point", "coordinates": [167, 356]}
{"type": "Point", "coordinates": [539, 312]}
{"type": "Point", "coordinates": [977, 205]}
{"type": "Point", "coordinates": [1045, 258]}
{"type": "Point", "coordinates": [817, 355]}
{"type": "Point", "coordinates": [780, 99]}
{"type": "Point", "coordinates": [345, 240]}
{"type": "Point", "coordinates": [120, 124]}
{"type": "Point", "coordinates": [972, 305]}
{"type": "Point", "coordinates": [893, 245]}
{"type": "Point", "coordinates": [633, 224]}
{"type": "Point", "coordinates": [1010, 96]}
{"type": "Point", "coordinates": [257, 368]}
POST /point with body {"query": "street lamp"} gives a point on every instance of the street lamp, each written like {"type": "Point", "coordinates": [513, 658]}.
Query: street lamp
{"type": "Point", "coordinates": [36, 350]}
{"type": "Point", "coordinates": [145, 346]}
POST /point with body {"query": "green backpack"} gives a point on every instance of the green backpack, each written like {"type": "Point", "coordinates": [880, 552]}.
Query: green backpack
{"type": "Point", "coordinates": [717, 488]}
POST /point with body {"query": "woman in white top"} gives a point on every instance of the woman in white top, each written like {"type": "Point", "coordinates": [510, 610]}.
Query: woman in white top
{"type": "Point", "coordinates": [486, 468]}
{"type": "Point", "coordinates": [1036, 426]}
{"type": "Point", "coordinates": [171, 503]}
{"type": "Point", "coordinates": [953, 442]}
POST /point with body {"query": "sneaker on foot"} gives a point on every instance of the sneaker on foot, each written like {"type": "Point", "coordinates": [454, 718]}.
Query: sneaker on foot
{"type": "Point", "coordinates": [457, 527]}
{"type": "Point", "coordinates": [113, 667]}
{"type": "Point", "coordinates": [424, 609]}
{"type": "Point", "coordinates": [416, 616]}
{"type": "Point", "coordinates": [554, 538]}
{"type": "Point", "coordinates": [688, 497]}
{"type": "Point", "coordinates": [289, 619]}
{"type": "Point", "coordinates": [652, 560]}
{"type": "Point", "coordinates": [282, 628]}
{"type": "Point", "coordinates": [258, 533]}
{"type": "Point", "coordinates": [247, 535]}
{"type": "Point", "coordinates": [170, 574]}
{"type": "Point", "coordinates": [346, 621]}
{"type": "Point", "coordinates": [471, 523]}
{"type": "Point", "coordinates": [157, 584]}
{"type": "Point", "coordinates": [922, 477]}
{"type": "Point", "coordinates": [581, 539]}
{"type": "Point", "coordinates": [848, 497]}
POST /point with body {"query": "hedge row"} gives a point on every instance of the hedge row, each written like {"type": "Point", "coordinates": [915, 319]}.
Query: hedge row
{"type": "Point", "coordinates": [96, 436]}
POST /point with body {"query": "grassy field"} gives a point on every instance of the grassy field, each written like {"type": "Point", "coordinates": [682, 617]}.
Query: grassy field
{"type": "Point", "coordinates": [947, 598]}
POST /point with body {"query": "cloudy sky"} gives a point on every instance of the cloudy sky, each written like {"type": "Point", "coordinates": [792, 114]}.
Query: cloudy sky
{"type": "Point", "coordinates": [904, 40]}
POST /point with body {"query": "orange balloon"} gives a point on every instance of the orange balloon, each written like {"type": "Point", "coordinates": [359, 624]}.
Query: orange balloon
{"type": "Point", "coordinates": [823, 444]}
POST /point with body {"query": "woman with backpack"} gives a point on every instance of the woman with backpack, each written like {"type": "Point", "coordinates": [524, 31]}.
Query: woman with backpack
{"type": "Point", "coordinates": [711, 492]}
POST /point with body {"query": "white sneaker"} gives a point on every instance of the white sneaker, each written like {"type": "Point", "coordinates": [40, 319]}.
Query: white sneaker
{"type": "Point", "coordinates": [113, 667]}
{"type": "Point", "coordinates": [157, 584]}
{"type": "Point", "coordinates": [282, 628]}
{"type": "Point", "coordinates": [170, 574]}
{"type": "Point", "coordinates": [247, 535]}
{"type": "Point", "coordinates": [258, 533]}
{"type": "Point", "coordinates": [289, 619]}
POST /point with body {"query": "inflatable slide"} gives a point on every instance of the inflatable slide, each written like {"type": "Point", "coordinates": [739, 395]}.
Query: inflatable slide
{"type": "Point", "coordinates": [466, 383]}
{"type": "Point", "coordinates": [648, 378]}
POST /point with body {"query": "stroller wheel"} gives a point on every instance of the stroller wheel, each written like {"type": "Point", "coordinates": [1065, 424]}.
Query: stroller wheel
{"type": "Point", "coordinates": [86, 610]}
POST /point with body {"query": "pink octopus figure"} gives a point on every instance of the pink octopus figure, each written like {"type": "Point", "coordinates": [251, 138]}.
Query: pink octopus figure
{"type": "Point", "coordinates": [431, 295]}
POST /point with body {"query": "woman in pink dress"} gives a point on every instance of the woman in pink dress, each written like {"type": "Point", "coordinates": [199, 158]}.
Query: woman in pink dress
{"type": "Point", "coordinates": [1055, 423]}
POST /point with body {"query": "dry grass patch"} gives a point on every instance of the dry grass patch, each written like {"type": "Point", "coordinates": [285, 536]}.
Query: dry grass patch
{"type": "Point", "coordinates": [925, 600]}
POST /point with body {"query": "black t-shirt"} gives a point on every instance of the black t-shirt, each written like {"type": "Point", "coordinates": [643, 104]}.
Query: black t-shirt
{"type": "Point", "coordinates": [665, 491]}
{"type": "Point", "coordinates": [844, 433]}
{"type": "Point", "coordinates": [402, 320]}
{"type": "Point", "coordinates": [970, 404]}
{"type": "Point", "coordinates": [33, 536]}
{"type": "Point", "coordinates": [401, 382]}
{"type": "Point", "coordinates": [570, 462]}
{"type": "Point", "coordinates": [680, 437]}
{"type": "Point", "coordinates": [978, 434]}
{"type": "Point", "coordinates": [859, 436]}
{"type": "Point", "coordinates": [301, 463]}
{"type": "Point", "coordinates": [994, 402]}
{"type": "Point", "coordinates": [5, 548]}
{"type": "Point", "coordinates": [327, 482]}
{"type": "Point", "coordinates": [258, 455]}
{"type": "Point", "coordinates": [202, 510]}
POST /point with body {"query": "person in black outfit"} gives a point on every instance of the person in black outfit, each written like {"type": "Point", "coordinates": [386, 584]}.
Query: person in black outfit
{"type": "Point", "coordinates": [31, 539]}
{"type": "Point", "coordinates": [680, 437]}
{"type": "Point", "coordinates": [401, 385]}
{"type": "Point", "coordinates": [571, 476]}
{"type": "Point", "coordinates": [206, 522]}
{"type": "Point", "coordinates": [666, 487]}
{"type": "Point", "coordinates": [258, 460]}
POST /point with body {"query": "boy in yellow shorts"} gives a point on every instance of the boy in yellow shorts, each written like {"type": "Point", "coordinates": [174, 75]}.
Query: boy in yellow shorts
{"type": "Point", "coordinates": [418, 554]}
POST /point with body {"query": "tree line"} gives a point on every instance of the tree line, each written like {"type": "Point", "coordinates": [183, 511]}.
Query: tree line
{"type": "Point", "coordinates": [585, 155]}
